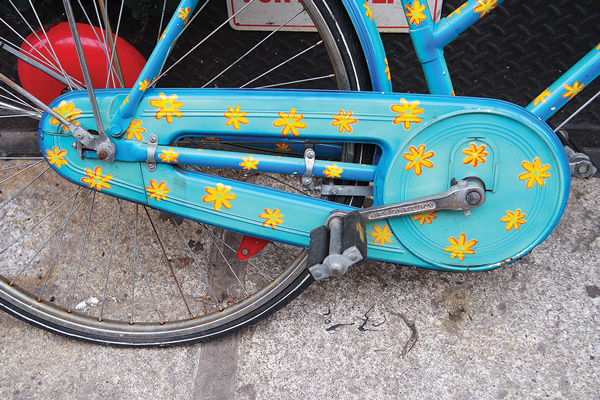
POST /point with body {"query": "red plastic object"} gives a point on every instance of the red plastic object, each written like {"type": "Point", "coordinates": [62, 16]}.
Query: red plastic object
{"type": "Point", "coordinates": [250, 246]}
{"type": "Point", "coordinates": [47, 88]}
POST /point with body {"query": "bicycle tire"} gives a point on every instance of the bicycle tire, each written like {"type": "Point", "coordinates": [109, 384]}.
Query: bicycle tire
{"type": "Point", "coordinates": [351, 71]}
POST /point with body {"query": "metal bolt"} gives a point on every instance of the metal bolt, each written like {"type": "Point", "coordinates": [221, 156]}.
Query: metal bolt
{"type": "Point", "coordinates": [310, 154]}
{"type": "Point", "coordinates": [152, 139]}
{"type": "Point", "coordinates": [334, 190]}
{"type": "Point", "coordinates": [116, 129]}
{"type": "Point", "coordinates": [353, 256]}
{"type": "Point", "coordinates": [245, 252]}
{"type": "Point", "coordinates": [473, 198]}
{"type": "Point", "coordinates": [583, 169]}
{"type": "Point", "coordinates": [102, 154]}
{"type": "Point", "coordinates": [317, 273]}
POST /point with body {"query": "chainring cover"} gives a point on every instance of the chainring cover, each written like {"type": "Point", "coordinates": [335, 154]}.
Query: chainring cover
{"type": "Point", "coordinates": [526, 176]}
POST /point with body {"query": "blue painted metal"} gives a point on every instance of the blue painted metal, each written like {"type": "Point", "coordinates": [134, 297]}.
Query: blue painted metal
{"type": "Point", "coordinates": [567, 86]}
{"type": "Point", "coordinates": [401, 125]}
{"type": "Point", "coordinates": [370, 40]}
{"type": "Point", "coordinates": [429, 37]}
{"type": "Point", "coordinates": [447, 29]}
{"type": "Point", "coordinates": [429, 52]}
{"type": "Point", "coordinates": [153, 66]}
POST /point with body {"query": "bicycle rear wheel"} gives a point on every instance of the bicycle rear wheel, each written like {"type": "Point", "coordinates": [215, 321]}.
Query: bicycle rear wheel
{"type": "Point", "coordinates": [83, 264]}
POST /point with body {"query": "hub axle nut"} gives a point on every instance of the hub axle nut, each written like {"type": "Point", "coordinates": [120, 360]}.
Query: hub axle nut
{"type": "Point", "coordinates": [473, 198]}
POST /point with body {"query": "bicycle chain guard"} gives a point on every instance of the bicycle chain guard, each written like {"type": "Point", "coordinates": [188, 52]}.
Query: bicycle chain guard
{"type": "Point", "coordinates": [427, 144]}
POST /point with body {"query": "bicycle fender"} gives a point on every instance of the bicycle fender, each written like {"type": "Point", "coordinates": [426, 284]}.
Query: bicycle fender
{"type": "Point", "coordinates": [371, 43]}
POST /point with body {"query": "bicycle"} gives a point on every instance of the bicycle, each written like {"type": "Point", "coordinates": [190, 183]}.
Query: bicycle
{"type": "Point", "coordinates": [181, 162]}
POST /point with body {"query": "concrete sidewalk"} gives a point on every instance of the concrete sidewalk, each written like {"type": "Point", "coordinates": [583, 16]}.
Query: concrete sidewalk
{"type": "Point", "coordinates": [526, 331]}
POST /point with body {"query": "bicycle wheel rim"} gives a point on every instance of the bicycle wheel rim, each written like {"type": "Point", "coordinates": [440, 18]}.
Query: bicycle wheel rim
{"type": "Point", "coordinates": [57, 318]}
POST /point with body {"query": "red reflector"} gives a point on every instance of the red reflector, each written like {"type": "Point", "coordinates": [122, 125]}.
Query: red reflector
{"type": "Point", "coordinates": [250, 246]}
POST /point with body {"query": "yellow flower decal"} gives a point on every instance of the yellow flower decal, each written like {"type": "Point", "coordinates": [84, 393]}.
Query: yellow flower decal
{"type": "Point", "coordinates": [68, 112]}
{"type": "Point", "coordinates": [272, 218]}
{"type": "Point", "coordinates": [282, 147]}
{"type": "Point", "coordinates": [168, 156]}
{"type": "Point", "coordinates": [157, 191]}
{"type": "Point", "coordinates": [387, 69]}
{"type": "Point", "coordinates": [135, 130]}
{"type": "Point", "coordinates": [235, 117]}
{"type": "Point", "coordinates": [459, 247]}
{"type": "Point", "coordinates": [162, 36]}
{"type": "Point", "coordinates": [290, 122]}
{"type": "Point", "coordinates": [408, 113]}
{"type": "Point", "coordinates": [126, 100]}
{"type": "Point", "coordinates": [571, 91]}
{"type": "Point", "coordinates": [475, 155]}
{"type": "Point", "coordinates": [542, 97]}
{"type": "Point", "coordinates": [167, 107]}
{"type": "Point", "coordinates": [485, 6]}
{"type": "Point", "coordinates": [248, 163]}
{"type": "Point", "coordinates": [415, 13]}
{"type": "Point", "coordinates": [56, 157]}
{"type": "Point", "coordinates": [381, 236]}
{"type": "Point", "coordinates": [417, 159]}
{"type": "Point", "coordinates": [536, 173]}
{"type": "Point", "coordinates": [332, 171]}
{"type": "Point", "coordinates": [144, 85]}
{"type": "Point", "coordinates": [514, 219]}
{"type": "Point", "coordinates": [425, 217]}
{"type": "Point", "coordinates": [368, 12]}
{"type": "Point", "coordinates": [343, 121]}
{"type": "Point", "coordinates": [95, 180]}
{"type": "Point", "coordinates": [457, 11]}
{"type": "Point", "coordinates": [184, 14]}
{"type": "Point", "coordinates": [219, 196]}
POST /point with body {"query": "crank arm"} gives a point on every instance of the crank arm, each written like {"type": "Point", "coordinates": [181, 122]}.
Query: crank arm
{"type": "Point", "coordinates": [340, 243]}
{"type": "Point", "coordinates": [465, 195]}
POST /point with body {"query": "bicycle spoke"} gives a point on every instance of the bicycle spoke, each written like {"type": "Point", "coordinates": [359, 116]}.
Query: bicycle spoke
{"type": "Point", "coordinates": [160, 242]}
{"type": "Point", "coordinates": [16, 166]}
{"type": "Point", "coordinates": [62, 235]}
{"type": "Point", "coordinates": [320, 42]}
{"type": "Point", "coordinates": [252, 49]}
{"type": "Point", "coordinates": [185, 241]}
{"type": "Point", "coordinates": [24, 187]}
{"type": "Point", "coordinates": [28, 58]}
{"type": "Point", "coordinates": [84, 69]}
{"type": "Point", "coordinates": [204, 40]}
{"type": "Point", "coordinates": [18, 100]}
{"type": "Point", "coordinates": [40, 221]}
{"type": "Point", "coordinates": [110, 70]}
{"type": "Point", "coordinates": [110, 258]}
{"type": "Point", "coordinates": [49, 47]}
{"type": "Point", "coordinates": [113, 43]}
{"type": "Point", "coordinates": [162, 17]}
{"type": "Point", "coordinates": [85, 234]}
{"type": "Point", "coordinates": [229, 265]}
{"type": "Point", "coordinates": [215, 237]}
{"type": "Point", "coordinates": [135, 259]}
{"type": "Point", "coordinates": [133, 241]}
{"type": "Point", "coordinates": [298, 81]}
{"type": "Point", "coordinates": [587, 103]}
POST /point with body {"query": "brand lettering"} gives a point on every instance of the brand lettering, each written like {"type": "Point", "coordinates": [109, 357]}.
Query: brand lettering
{"type": "Point", "coordinates": [402, 210]}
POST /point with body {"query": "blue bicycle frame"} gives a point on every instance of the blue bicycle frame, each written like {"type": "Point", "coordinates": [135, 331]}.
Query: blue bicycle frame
{"type": "Point", "coordinates": [404, 127]}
